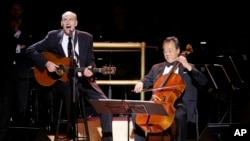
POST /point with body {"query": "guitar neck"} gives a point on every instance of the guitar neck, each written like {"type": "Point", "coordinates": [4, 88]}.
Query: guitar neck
{"type": "Point", "coordinates": [103, 70]}
{"type": "Point", "coordinates": [80, 69]}
{"type": "Point", "coordinates": [99, 70]}
{"type": "Point", "coordinates": [95, 70]}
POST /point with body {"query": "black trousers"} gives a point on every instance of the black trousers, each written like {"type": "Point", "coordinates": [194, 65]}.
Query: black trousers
{"type": "Point", "coordinates": [7, 93]}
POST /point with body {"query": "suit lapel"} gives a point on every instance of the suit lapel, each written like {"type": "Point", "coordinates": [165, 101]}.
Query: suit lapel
{"type": "Point", "coordinates": [60, 48]}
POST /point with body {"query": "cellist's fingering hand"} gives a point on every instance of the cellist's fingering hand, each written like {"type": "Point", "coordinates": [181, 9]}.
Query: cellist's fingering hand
{"type": "Point", "coordinates": [138, 87]}
{"type": "Point", "coordinates": [184, 62]}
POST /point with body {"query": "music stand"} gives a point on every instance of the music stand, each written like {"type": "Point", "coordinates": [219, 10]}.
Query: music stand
{"type": "Point", "coordinates": [127, 107]}
{"type": "Point", "coordinates": [222, 81]}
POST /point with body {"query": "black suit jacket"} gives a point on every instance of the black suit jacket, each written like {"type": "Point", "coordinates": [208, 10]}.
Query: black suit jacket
{"type": "Point", "coordinates": [191, 78]}
{"type": "Point", "coordinates": [22, 64]}
{"type": "Point", "coordinates": [52, 43]}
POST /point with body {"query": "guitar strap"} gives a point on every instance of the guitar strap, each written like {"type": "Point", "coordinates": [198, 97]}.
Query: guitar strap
{"type": "Point", "coordinates": [96, 87]}
{"type": "Point", "coordinates": [92, 83]}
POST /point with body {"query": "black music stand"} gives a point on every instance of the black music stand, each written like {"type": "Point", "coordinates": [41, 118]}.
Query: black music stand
{"type": "Point", "coordinates": [127, 107]}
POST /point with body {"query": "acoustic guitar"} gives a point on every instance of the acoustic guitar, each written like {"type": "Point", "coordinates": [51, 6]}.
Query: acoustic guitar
{"type": "Point", "coordinates": [46, 78]}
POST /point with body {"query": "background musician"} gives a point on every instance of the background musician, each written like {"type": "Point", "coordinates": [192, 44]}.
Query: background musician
{"type": "Point", "coordinates": [21, 38]}
{"type": "Point", "coordinates": [16, 71]}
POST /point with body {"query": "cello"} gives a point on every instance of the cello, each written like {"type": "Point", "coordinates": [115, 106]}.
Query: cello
{"type": "Point", "coordinates": [167, 89]}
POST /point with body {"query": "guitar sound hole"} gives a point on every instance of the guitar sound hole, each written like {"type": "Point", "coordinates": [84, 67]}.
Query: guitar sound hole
{"type": "Point", "coordinates": [58, 73]}
{"type": "Point", "coordinates": [60, 70]}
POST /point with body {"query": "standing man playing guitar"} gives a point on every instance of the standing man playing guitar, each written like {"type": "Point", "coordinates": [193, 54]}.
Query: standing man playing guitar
{"type": "Point", "coordinates": [56, 41]}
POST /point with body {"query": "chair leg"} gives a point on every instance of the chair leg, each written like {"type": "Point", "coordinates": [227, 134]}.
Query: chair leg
{"type": "Point", "coordinates": [197, 125]}
{"type": "Point", "coordinates": [173, 131]}
{"type": "Point", "coordinates": [58, 121]}
{"type": "Point", "coordinates": [84, 117]}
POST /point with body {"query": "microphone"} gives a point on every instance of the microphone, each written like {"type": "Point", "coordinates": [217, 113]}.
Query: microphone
{"type": "Point", "coordinates": [71, 32]}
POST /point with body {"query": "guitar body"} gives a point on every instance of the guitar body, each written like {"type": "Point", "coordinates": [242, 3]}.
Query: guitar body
{"type": "Point", "coordinates": [46, 78]}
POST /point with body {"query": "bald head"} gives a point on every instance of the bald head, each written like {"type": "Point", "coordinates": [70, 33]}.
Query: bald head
{"type": "Point", "coordinates": [69, 14]}
{"type": "Point", "coordinates": [69, 22]}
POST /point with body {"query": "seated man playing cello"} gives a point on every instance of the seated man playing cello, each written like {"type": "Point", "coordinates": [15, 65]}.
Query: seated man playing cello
{"type": "Point", "coordinates": [180, 79]}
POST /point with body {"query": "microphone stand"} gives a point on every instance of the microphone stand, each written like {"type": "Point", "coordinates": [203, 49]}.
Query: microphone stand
{"type": "Point", "coordinates": [73, 81]}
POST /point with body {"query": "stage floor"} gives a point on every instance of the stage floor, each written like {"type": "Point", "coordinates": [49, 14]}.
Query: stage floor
{"type": "Point", "coordinates": [120, 129]}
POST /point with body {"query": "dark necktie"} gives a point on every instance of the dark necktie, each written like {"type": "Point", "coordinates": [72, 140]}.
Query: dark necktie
{"type": "Point", "coordinates": [69, 47]}
{"type": "Point", "coordinates": [169, 64]}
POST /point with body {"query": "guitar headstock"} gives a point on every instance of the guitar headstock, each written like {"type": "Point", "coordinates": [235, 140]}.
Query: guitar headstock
{"type": "Point", "coordinates": [108, 70]}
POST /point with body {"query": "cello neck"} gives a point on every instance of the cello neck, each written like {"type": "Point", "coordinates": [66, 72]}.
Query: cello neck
{"type": "Point", "coordinates": [168, 75]}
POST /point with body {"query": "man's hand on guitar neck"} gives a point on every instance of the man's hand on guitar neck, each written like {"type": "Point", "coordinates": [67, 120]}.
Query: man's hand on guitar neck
{"type": "Point", "coordinates": [51, 66]}
{"type": "Point", "coordinates": [87, 71]}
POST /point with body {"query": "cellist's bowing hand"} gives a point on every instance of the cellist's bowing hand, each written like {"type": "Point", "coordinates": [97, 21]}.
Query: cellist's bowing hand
{"type": "Point", "coordinates": [138, 87]}
{"type": "Point", "coordinates": [184, 62]}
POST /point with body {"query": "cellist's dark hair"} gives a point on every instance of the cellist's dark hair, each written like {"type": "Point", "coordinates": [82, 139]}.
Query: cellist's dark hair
{"type": "Point", "coordinates": [174, 39]}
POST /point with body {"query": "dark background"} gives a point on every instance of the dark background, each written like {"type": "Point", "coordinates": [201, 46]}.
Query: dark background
{"type": "Point", "coordinates": [224, 26]}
